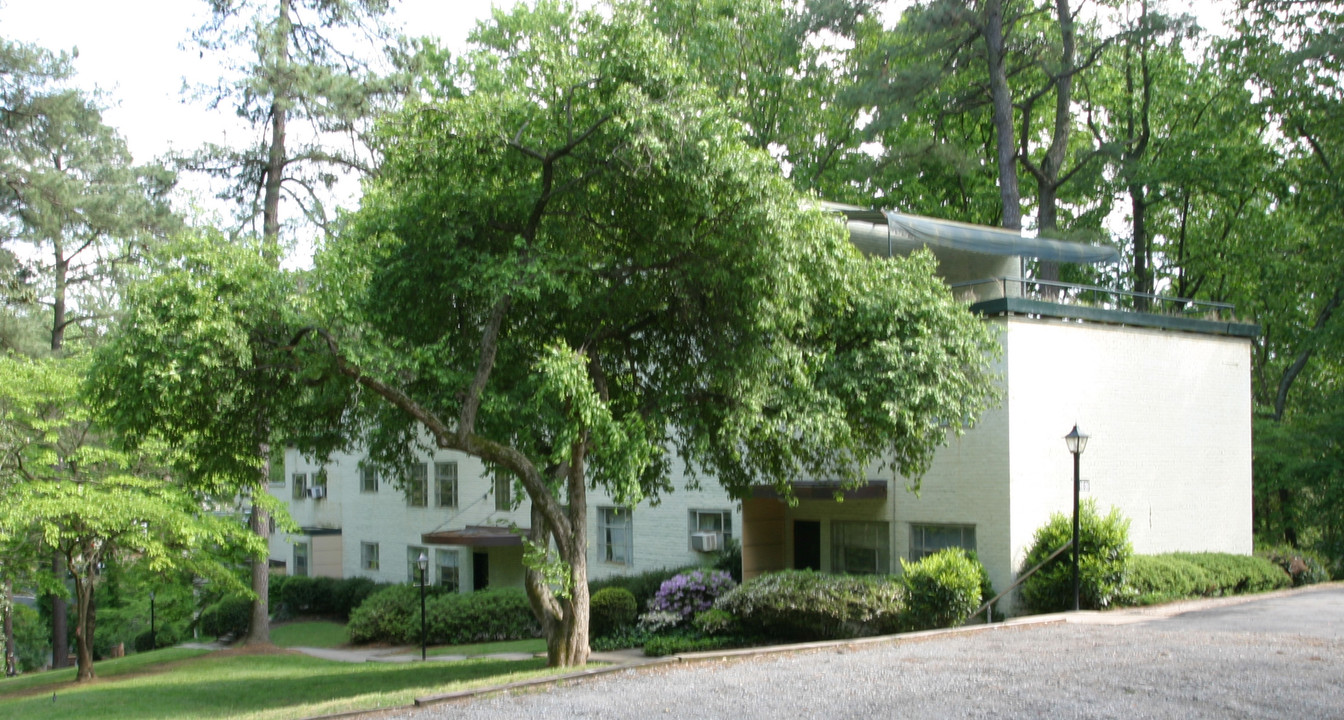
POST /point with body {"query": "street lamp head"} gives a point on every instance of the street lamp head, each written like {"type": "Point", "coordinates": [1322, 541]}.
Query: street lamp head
{"type": "Point", "coordinates": [423, 562]}
{"type": "Point", "coordinates": [151, 594]}
{"type": "Point", "coordinates": [1076, 440]}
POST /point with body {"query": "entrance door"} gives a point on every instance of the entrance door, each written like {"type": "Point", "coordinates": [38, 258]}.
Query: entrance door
{"type": "Point", "coordinates": [807, 544]}
{"type": "Point", "coordinates": [480, 571]}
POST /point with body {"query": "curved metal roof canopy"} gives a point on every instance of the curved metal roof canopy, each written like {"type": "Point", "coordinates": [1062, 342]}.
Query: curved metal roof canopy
{"type": "Point", "coordinates": [909, 232]}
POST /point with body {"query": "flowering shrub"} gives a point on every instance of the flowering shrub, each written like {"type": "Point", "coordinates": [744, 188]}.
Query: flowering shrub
{"type": "Point", "coordinates": [690, 593]}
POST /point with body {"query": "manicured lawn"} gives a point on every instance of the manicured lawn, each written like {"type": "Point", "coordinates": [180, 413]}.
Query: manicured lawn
{"type": "Point", "coordinates": [535, 645]}
{"type": "Point", "coordinates": [316, 633]}
{"type": "Point", "coordinates": [230, 685]}
{"type": "Point", "coordinates": [103, 668]}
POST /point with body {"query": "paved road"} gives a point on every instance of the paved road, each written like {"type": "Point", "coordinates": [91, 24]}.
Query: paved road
{"type": "Point", "coordinates": [1278, 657]}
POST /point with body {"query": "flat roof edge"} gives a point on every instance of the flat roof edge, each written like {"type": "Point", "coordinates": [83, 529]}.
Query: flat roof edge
{"type": "Point", "coordinates": [1027, 306]}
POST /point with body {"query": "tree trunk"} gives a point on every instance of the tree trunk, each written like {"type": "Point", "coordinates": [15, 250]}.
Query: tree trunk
{"type": "Point", "coordinates": [564, 621]}
{"type": "Point", "coordinates": [275, 165]}
{"type": "Point", "coordinates": [1002, 99]}
{"type": "Point", "coordinates": [1053, 163]}
{"type": "Point", "coordinates": [259, 627]}
{"type": "Point", "coordinates": [60, 629]}
{"type": "Point", "coordinates": [84, 628]}
{"type": "Point", "coordinates": [11, 666]}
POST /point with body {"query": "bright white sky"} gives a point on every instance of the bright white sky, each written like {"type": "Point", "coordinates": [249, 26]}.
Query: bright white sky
{"type": "Point", "coordinates": [130, 49]}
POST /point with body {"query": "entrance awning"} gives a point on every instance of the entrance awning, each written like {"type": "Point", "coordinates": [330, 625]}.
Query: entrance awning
{"type": "Point", "coordinates": [825, 490]}
{"type": "Point", "coordinates": [476, 536]}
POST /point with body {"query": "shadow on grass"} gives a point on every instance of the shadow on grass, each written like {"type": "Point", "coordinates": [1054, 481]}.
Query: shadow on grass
{"type": "Point", "coordinates": [263, 686]}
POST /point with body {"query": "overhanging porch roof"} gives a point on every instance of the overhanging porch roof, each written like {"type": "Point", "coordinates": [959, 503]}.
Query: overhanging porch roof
{"type": "Point", "coordinates": [476, 536]}
{"type": "Point", "coordinates": [825, 490]}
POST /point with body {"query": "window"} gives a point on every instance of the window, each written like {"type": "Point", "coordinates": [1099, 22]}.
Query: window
{"type": "Point", "coordinates": [615, 535]}
{"type": "Point", "coordinates": [300, 486]}
{"type": "Point", "coordinates": [715, 521]}
{"type": "Point", "coordinates": [445, 484]}
{"type": "Point", "coordinates": [446, 560]}
{"type": "Point", "coordinates": [926, 540]}
{"type": "Point", "coordinates": [503, 492]}
{"type": "Point", "coordinates": [368, 479]}
{"type": "Point", "coordinates": [301, 559]}
{"type": "Point", "coordinates": [417, 488]}
{"type": "Point", "coordinates": [275, 468]}
{"type": "Point", "coordinates": [413, 554]}
{"type": "Point", "coordinates": [368, 556]}
{"type": "Point", "coordinates": [860, 548]}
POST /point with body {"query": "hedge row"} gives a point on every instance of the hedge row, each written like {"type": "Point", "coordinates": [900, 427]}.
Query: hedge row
{"type": "Point", "coordinates": [808, 605]}
{"type": "Point", "coordinates": [1171, 576]}
{"type": "Point", "coordinates": [393, 615]}
{"type": "Point", "coordinates": [292, 595]}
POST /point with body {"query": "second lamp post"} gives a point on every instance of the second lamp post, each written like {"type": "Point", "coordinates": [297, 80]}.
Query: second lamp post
{"type": "Point", "coordinates": [1076, 441]}
{"type": "Point", "coordinates": [423, 562]}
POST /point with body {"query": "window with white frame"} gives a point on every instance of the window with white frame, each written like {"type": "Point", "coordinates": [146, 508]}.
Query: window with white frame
{"type": "Point", "coordinates": [413, 554]}
{"type": "Point", "coordinates": [503, 492]}
{"type": "Point", "coordinates": [860, 548]}
{"type": "Point", "coordinates": [445, 484]}
{"type": "Point", "coordinates": [368, 478]}
{"type": "Point", "coordinates": [368, 555]}
{"type": "Point", "coordinates": [713, 521]}
{"type": "Point", "coordinates": [417, 486]}
{"type": "Point", "coordinates": [299, 483]}
{"type": "Point", "coordinates": [615, 535]}
{"type": "Point", "coordinates": [447, 563]}
{"type": "Point", "coordinates": [926, 540]}
{"type": "Point", "coordinates": [301, 559]}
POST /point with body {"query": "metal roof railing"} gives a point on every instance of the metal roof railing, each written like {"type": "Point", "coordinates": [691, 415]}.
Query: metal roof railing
{"type": "Point", "coordinates": [1089, 295]}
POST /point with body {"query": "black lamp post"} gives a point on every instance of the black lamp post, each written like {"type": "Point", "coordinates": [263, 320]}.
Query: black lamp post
{"type": "Point", "coordinates": [153, 637]}
{"type": "Point", "coordinates": [1076, 441]}
{"type": "Point", "coordinates": [423, 562]}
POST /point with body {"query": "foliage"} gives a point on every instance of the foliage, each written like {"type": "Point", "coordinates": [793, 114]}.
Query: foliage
{"type": "Point", "coordinates": [659, 621]}
{"type": "Point", "coordinates": [162, 636]}
{"type": "Point", "coordinates": [729, 559]}
{"type": "Point", "coordinates": [611, 610]}
{"type": "Point", "coordinates": [942, 590]}
{"type": "Point", "coordinates": [714, 622]}
{"type": "Point", "coordinates": [1303, 566]}
{"type": "Point", "coordinates": [228, 617]}
{"type": "Point", "coordinates": [689, 593]}
{"type": "Point", "coordinates": [630, 637]}
{"type": "Point", "coordinates": [687, 642]}
{"type": "Point", "coordinates": [31, 642]}
{"type": "Point", "coordinates": [393, 615]}
{"type": "Point", "coordinates": [1104, 552]}
{"type": "Point", "coordinates": [808, 605]}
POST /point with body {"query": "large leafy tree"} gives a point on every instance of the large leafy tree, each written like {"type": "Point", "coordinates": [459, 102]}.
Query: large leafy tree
{"type": "Point", "coordinates": [67, 491]}
{"type": "Point", "coordinates": [581, 266]}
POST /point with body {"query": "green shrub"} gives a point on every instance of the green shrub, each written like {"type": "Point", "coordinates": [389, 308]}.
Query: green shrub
{"type": "Point", "coordinates": [715, 622]}
{"type": "Point", "coordinates": [1104, 554]}
{"type": "Point", "coordinates": [393, 615]}
{"type": "Point", "coordinates": [631, 637]}
{"type": "Point", "coordinates": [807, 605]}
{"type": "Point", "coordinates": [299, 595]}
{"type": "Point", "coordinates": [229, 616]}
{"type": "Point", "coordinates": [663, 645]}
{"type": "Point", "coordinates": [1237, 574]}
{"type": "Point", "coordinates": [350, 593]}
{"type": "Point", "coordinates": [611, 610]}
{"type": "Point", "coordinates": [31, 639]}
{"type": "Point", "coordinates": [1304, 566]}
{"type": "Point", "coordinates": [729, 559]}
{"type": "Point", "coordinates": [642, 585]}
{"type": "Point", "coordinates": [1161, 578]}
{"type": "Point", "coordinates": [689, 593]}
{"type": "Point", "coordinates": [942, 590]}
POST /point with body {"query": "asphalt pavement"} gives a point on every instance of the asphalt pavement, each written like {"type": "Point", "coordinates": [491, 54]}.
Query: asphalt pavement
{"type": "Point", "coordinates": [1276, 656]}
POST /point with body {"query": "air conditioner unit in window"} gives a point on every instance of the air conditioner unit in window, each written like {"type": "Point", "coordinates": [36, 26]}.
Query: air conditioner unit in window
{"type": "Point", "coordinates": [317, 492]}
{"type": "Point", "coordinates": [705, 541]}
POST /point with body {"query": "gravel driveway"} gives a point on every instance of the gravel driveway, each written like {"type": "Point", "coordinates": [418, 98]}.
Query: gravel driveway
{"type": "Point", "coordinates": [1278, 657]}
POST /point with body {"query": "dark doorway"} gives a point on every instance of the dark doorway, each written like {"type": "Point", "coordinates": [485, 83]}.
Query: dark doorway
{"type": "Point", "coordinates": [807, 544]}
{"type": "Point", "coordinates": [480, 571]}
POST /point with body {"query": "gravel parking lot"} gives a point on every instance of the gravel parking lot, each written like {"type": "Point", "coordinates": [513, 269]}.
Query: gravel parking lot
{"type": "Point", "coordinates": [1277, 657]}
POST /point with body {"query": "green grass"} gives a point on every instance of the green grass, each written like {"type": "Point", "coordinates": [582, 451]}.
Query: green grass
{"type": "Point", "coordinates": [256, 687]}
{"type": "Point", "coordinates": [103, 668]}
{"type": "Point", "coordinates": [316, 633]}
{"type": "Point", "coordinates": [535, 645]}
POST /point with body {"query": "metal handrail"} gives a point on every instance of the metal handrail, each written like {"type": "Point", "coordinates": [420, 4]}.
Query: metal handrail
{"type": "Point", "coordinates": [1074, 291]}
{"type": "Point", "coordinates": [989, 605]}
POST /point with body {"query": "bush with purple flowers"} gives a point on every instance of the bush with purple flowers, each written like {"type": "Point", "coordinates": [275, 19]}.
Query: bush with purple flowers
{"type": "Point", "coordinates": [693, 592]}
